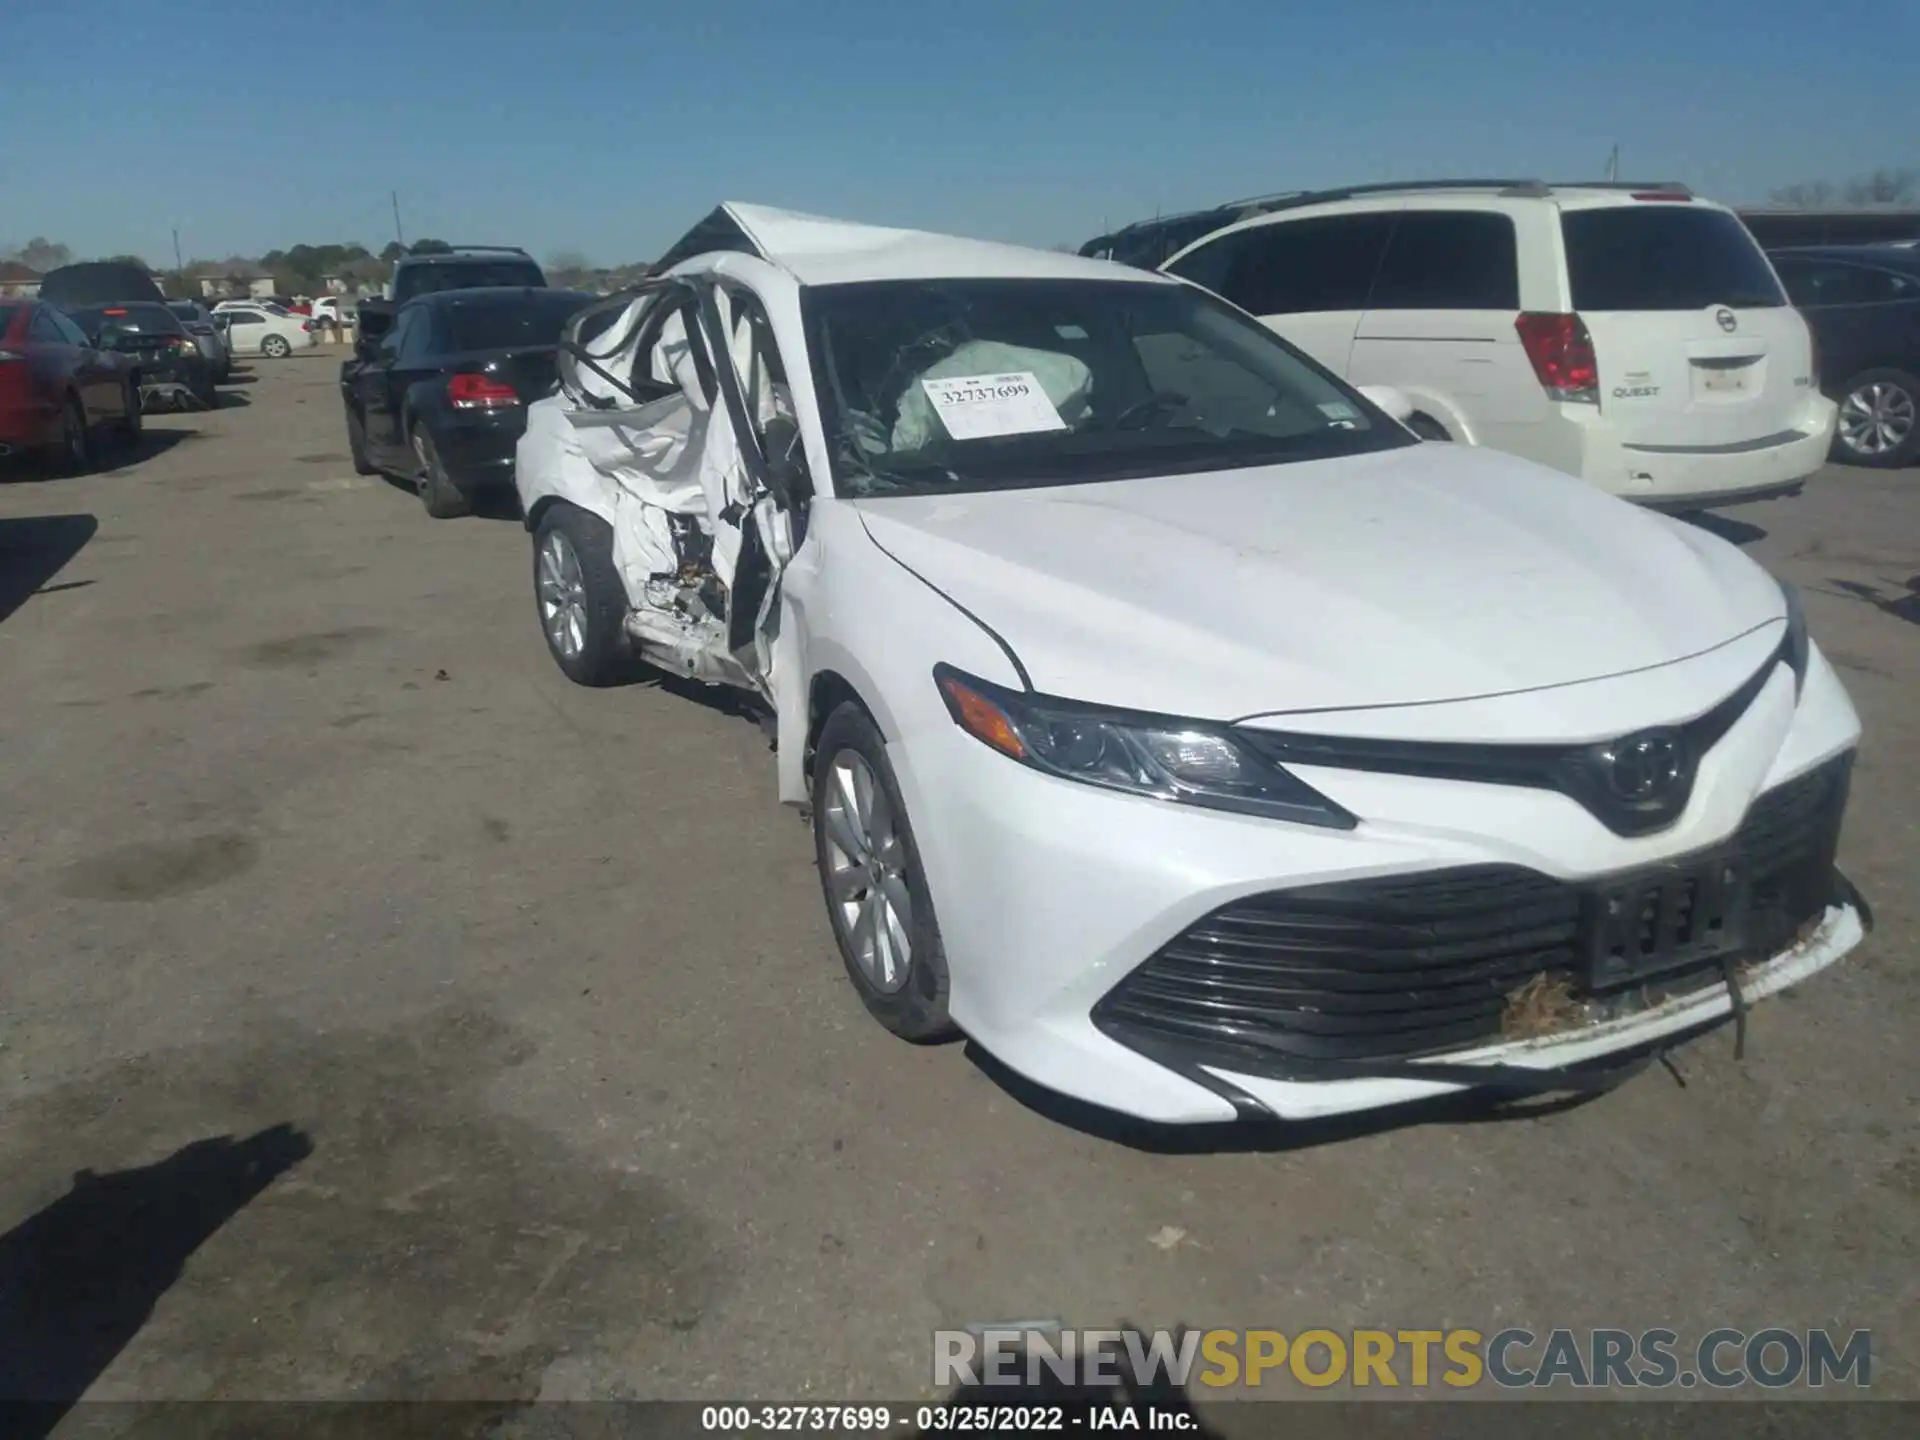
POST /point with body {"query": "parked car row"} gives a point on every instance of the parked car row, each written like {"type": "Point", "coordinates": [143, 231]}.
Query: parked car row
{"type": "Point", "coordinates": [100, 345]}
{"type": "Point", "coordinates": [1633, 334]}
{"type": "Point", "coordinates": [1171, 720]}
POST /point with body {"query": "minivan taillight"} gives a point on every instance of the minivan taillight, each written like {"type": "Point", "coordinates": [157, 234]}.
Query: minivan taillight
{"type": "Point", "coordinates": [1562, 354]}
{"type": "Point", "coordinates": [480, 392]}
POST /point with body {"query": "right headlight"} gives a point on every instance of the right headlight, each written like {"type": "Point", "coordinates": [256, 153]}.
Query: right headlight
{"type": "Point", "coordinates": [1188, 762]}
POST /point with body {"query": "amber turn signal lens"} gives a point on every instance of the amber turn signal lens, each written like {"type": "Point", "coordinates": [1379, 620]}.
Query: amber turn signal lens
{"type": "Point", "coordinates": [983, 719]}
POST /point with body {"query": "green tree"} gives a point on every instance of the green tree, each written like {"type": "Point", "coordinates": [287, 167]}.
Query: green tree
{"type": "Point", "coordinates": [431, 247]}
{"type": "Point", "coordinates": [43, 254]}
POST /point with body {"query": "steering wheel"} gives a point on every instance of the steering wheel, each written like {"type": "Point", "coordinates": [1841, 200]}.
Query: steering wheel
{"type": "Point", "coordinates": [1165, 402]}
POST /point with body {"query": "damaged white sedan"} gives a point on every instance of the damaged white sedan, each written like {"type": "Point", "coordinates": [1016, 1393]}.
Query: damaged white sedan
{"type": "Point", "coordinates": [1173, 722]}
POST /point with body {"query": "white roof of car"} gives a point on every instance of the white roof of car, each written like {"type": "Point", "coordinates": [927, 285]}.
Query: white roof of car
{"type": "Point", "coordinates": [816, 250]}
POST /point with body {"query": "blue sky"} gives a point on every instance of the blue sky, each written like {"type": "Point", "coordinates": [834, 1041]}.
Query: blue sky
{"type": "Point", "coordinates": [608, 126]}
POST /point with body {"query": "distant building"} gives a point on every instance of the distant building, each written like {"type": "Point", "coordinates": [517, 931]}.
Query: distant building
{"type": "Point", "coordinates": [17, 281]}
{"type": "Point", "coordinates": [1779, 225]}
{"type": "Point", "coordinates": [234, 280]}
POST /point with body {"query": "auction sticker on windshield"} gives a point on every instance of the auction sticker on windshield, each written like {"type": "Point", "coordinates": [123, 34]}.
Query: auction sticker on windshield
{"type": "Point", "coordinates": [978, 407]}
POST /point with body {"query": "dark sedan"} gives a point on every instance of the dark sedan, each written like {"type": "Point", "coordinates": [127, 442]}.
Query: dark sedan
{"type": "Point", "coordinates": [1863, 304]}
{"type": "Point", "coordinates": [166, 360]}
{"type": "Point", "coordinates": [207, 334]}
{"type": "Point", "coordinates": [440, 398]}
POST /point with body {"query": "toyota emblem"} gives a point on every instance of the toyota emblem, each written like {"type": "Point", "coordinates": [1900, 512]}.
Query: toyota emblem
{"type": "Point", "coordinates": [1726, 319]}
{"type": "Point", "coordinates": [1647, 767]}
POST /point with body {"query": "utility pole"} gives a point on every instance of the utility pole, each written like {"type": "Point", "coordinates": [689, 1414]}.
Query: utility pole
{"type": "Point", "coordinates": [397, 235]}
{"type": "Point", "coordinates": [178, 263]}
{"type": "Point", "coordinates": [1613, 165]}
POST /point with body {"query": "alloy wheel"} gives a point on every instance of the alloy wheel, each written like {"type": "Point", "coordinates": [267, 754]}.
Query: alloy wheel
{"type": "Point", "coordinates": [563, 596]}
{"type": "Point", "coordinates": [867, 873]}
{"type": "Point", "coordinates": [1876, 418]}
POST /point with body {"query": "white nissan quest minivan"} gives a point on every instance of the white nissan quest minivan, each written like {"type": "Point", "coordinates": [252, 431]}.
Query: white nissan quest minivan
{"type": "Point", "coordinates": [1635, 336]}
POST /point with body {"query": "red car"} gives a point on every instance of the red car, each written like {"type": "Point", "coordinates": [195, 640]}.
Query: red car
{"type": "Point", "coordinates": [56, 390]}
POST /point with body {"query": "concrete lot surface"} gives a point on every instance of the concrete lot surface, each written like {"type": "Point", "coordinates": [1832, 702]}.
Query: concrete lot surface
{"type": "Point", "coordinates": [430, 1026]}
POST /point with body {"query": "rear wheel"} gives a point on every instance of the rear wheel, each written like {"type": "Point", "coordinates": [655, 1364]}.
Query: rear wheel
{"type": "Point", "coordinates": [873, 882]}
{"type": "Point", "coordinates": [583, 605]}
{"type": "Point", "coordinates": [275, 347]}
{"type": "Point", "coordinates": [437, 490]}
{"type": "Point", "coordinates": [73, 455]}
{"type": "Point", "coordinates": [132, 419]}
{"type": "Point", "coordinates": [1877, 421]}
{"type": "Point", "coordinates": [357, 442]}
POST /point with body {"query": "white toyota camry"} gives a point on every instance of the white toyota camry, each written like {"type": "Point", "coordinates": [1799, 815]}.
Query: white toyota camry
{"type": "Point", "coordinates": [1173, 722]}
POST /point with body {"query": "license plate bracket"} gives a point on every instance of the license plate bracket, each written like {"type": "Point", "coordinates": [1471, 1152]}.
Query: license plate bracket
{"type": "Point", "coordinates": [1725, 379]}
{"type": "Point", "coordinates": [1642, 925]}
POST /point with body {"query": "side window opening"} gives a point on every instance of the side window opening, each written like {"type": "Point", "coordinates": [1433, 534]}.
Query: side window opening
{"type": "Point", "coordinates": [1298, 267]}
{"type": "Point", "coordinates": [1449, 260]}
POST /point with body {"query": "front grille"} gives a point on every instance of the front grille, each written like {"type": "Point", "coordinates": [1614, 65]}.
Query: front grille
{"type": "Point", "coordinates": [1586, 774]}
{"type": "Point", "coordinates": [1404, 966]}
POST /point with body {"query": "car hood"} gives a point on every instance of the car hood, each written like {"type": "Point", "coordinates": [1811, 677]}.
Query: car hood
{"type": "Point", "coordinates": [1410, 576]}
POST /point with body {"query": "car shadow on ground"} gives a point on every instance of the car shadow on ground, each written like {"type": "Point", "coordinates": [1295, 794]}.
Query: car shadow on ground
{"type": "Point", "coordinates": [150, 444]}
{"type": "Point", "coordinates": [227, 401]}
{"type": "Point", "coordinates": [1736, 532]}
{"type": "Point", "coordinates": [82, 1276]}
{"type": "Point", "coordinates": [1902, 607]}
{"type": "Point", "coordinates": [1279, 1136]}
{"type": "Point", "coordinates": [34, 549]}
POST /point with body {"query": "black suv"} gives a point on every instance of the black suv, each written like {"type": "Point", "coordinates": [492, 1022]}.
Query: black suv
{"type": "Point", "coordinates": [464, 267]}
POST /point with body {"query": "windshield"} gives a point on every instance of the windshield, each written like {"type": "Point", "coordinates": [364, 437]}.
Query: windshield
{"type": "Point", "coordinates": [504, 322]}
{"type": "Point", "coordinates": [940, 386]}
{"type": "Point", "coordinates": [1665, 256]}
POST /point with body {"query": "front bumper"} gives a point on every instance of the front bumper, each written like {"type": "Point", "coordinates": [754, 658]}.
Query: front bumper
{"type": "Point", "coordinates": [1051, 895]}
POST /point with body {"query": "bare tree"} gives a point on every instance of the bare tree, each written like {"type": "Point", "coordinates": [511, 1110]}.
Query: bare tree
{"type": "Point", "coordinates": [1884, 187]}
{"type": "Point", "coordinates": [1807, 195]}
{"type": "Point", "coordinates": [568, 268]}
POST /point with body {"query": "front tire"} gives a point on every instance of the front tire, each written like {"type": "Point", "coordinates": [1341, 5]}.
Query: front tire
{"type": "Point", "coordinates": [275, 347]}
{"type": "Point", "coordinates": [873, 883]}
{"type": "Point", "coordinates": [1428, 428]}
{"type": "Point", "coordinates": [1879, 421]}
{"type": "Point", "coordinates": [581, 601]}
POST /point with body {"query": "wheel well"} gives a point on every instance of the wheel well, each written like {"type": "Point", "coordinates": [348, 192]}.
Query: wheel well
{"type": "Point", "coordinates": [1414, 420]}
{"type": "Point", "coordinates": [830, 690]}
{"type": "Point", "coordinates": [540, 507]}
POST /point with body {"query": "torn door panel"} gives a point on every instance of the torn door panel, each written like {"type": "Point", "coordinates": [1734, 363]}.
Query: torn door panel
{"type": "Point", "coordinates": [638, 434]}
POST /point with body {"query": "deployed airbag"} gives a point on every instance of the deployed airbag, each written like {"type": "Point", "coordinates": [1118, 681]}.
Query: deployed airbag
{"type": "Point", "coordinates": [1066, 381]}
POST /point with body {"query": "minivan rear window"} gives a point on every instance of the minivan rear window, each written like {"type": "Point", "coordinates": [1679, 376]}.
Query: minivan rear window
{"type": "Point", "coordinates": [1665, 256]}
